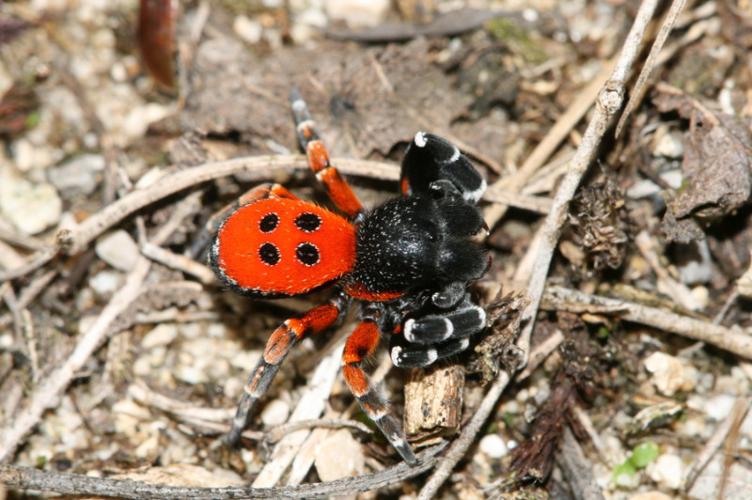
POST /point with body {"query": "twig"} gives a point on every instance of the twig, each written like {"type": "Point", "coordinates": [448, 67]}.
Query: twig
{"type": "Point", "coordinates": [179, 262]}
{"type": "Point", "coordinates": [587, 425]}
{"type": "Point", "coordinates": [74, 240]}
{"type": "Point", "coordinates": [578, 469]}
{"type": "Point", "coordinates": [608, 104]}
{"type": "Point", "coordinates": [27, 478]}
{"type": "Point", "coordinates": [460, 445]}
{"type": "Point", "coordinates": [310, 406]}
{"type": "Point", "coordinates": [714, 443]}
{"type": "Point", "coordinates": [639, 88]}
{"type": "Point", "coordinates": [731, 444]}
{"type": "Point", "coordinates": [728, 339]}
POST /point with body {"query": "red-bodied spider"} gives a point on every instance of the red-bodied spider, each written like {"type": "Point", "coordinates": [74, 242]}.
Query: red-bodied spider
{"type": "Point", "coordinates": [408, 263]}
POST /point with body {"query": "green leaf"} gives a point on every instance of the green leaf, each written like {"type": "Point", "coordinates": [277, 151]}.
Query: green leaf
{"type": "Point", "coordinates": [644, 454]}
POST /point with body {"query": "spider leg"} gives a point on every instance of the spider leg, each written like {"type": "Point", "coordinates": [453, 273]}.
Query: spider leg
{"type": "Point", "coordinates": [361, 343]}
{"type": "Point", "coordinates": [420, 357]}
{"type": "Point", "coordinates": [467, 319]}
{"type": "Point", "coordinates": [262, 191]}
{"type": "Point", "coordinates": [277, 347]}
{"type": "Point", "coordinates": [337, 188]}
{"type": "Point", "coordinates": [430, 158]}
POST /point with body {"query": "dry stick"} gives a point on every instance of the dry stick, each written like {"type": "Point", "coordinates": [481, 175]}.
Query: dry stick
{"type": "Point", "coordinates": [72, 241]}
{"type": "Point", "coordinates": [311, 405]}
{"type": "Point", "coordinates": [28, 478]}
{"type": "Point", "coordinates": [609, 102]}
{"type": "Point", "coordinates": [729, 339]}
{"type": "Point", "coordinates": [640, 87]}
{"type": "Point", "coordinates": [560, 131]}
{"type": "Point", "coordinates": [577, 468]}
{"type": "Point", "coordinates": [715, 442]}
{"type": "Point", "coordinates": [179, 262]}
{"type": "Point", "coordinates": [460, 445]}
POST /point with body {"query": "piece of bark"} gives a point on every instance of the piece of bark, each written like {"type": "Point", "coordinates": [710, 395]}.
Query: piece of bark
{"type": "Point", "coordinates": [433, 403]}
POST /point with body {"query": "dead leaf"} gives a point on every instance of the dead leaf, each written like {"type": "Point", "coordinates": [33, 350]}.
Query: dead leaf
{"type": "Point", "coordinates": [716, 165]}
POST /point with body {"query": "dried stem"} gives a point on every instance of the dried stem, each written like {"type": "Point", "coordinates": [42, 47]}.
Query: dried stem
{"type": "Point", "coordinates": [74, 240]}
{"type": "Point", "coordinates": [27, 478]}
{"type": "Point", "coordinates": [608, 104]}
{"type": "Point", "coordinates": [728, 339]}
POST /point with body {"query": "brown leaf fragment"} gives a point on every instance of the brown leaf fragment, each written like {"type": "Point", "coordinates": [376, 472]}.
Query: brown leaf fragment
{"type": "Point", "coordinates": [716, 165]}
{"type": "Point", "coordinates": [156, 39]}
{"type": "Point", "coordinates": [17, 109]}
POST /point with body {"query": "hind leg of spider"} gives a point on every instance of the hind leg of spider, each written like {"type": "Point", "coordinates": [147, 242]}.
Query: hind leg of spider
{"type": "Point", "coordinates": [262, 191]}
{"type": "Point", "coordinates": [277, 347]}
{"type": "Point", "coordinates": [360, 344]}
{"type": "Point", "coordinates": [420, 357]}
{"type": "Point", "coordinates": [338, 190]}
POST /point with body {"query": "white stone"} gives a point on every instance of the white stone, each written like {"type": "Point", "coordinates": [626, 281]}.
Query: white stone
{"type": "Point", "coordinates": [669, 145]}
{"type": "Point", "coordinates": [32, 208]}
{"type": "Point", "coordinates": [719, 407]}
{"type": "Point", "coordinates": [161, 335]}
{"type": "Point", "coordinates": [667, 471]}
{"type": "Point", "coordinates": [340, 455]}
{"type": "Point", "coordinates": [275, 413]}
{"type": "Point", "coordinates": [493, 446]}
{"type": "Point", "coordinates": [106, 282]}
{"type": "Point", "coordinates": [357, 13]}
{"type": "Point", "coordinates": [670, 374]}
{"type": "Point", "coordinates": [247, 29]}
{"type": "Point", "coordinates": [138, 120]}
{"type": "Point", "coordinates": [77, 176]}
{"type": "Point", "coordinates": [118, 249]}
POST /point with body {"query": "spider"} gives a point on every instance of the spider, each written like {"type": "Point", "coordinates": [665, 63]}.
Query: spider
{"type": "Point", "coordinates": [406, 262]}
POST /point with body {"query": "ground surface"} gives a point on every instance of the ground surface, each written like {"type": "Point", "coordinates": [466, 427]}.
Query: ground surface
{"type": "Point", "coordinates": [661, 220]}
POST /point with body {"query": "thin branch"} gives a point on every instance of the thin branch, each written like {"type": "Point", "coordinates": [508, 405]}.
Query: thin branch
{"type": "Point", "coordinates": [179, 262]}
{"type": "Point", "coordinates": [729, 339]}
{"type": "Point", "coordinates": [578, 469]}
{"type": "Point", "coordinates": [73, 241]}
{"type": "Point", "coordinates": [608, 104]}
{"type": "Point", "coordinates": [27, 478]}
{"type": "Point", "coordinates": [640, 87]}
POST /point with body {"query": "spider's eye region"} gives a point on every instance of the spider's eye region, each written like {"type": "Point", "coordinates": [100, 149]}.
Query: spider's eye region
{"type": "Point", "coordinates": [308, 222]}
{"type": "Point", "coordinates": [269, 254]}
{"type": "Point", "coordinates": [307, 254]}
{"type": "Point", "coordinates": [269, 222]}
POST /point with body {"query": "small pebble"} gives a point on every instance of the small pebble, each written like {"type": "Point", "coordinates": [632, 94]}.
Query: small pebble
{"type": "Point", "coordinates": [32, 208]}
{"type": "Point", "coordinates": [719, 407]}
{"type": "Point", "coordinates": [106, 282]}
{"type": "Point", "coordinates": [650, 495]}
{"type": "Point", "coordinates": [667, 471]}
{"type": "Point", "coordinates": [161, 335]}
{"type": "Point", "coordinates": [670, 374]}
{"type": "Point", "coordinates": [340, 455]}
{"type": "Point", "coordinates": [275, 413]}
{"type": "Point", "coordinates": [78, 176]}
{"type": "Point", "coordinates": [357, 13]}
{"type": "Point", "coordinates": [247, 29]}
{"type": "Point", "coordinates": [493, 446]}
{"type": "Point", "coordinates": [670, 145]}
{"type": "Point", "coordinates": [118, 249]}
